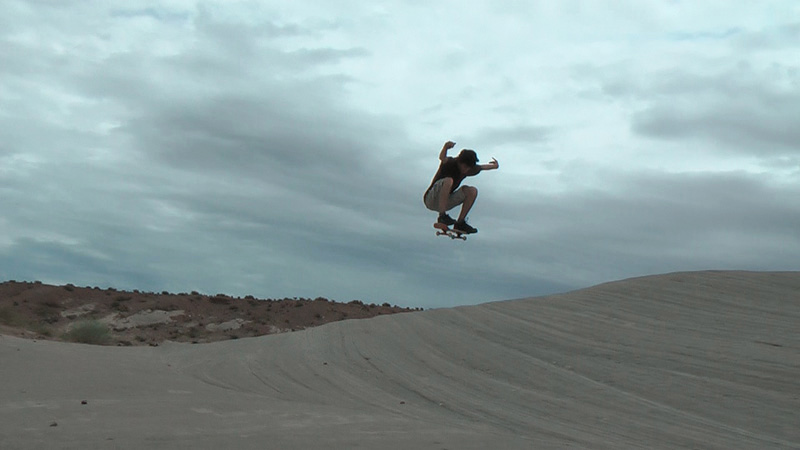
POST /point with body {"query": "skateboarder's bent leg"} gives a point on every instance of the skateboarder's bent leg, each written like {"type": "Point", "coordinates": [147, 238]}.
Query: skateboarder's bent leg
{"type": "Point", "coordinates": [470, 194]}
{"type": "Point", "coordinates": [440, 199]}
{"type": "Point", "coordinates": [447, 184]}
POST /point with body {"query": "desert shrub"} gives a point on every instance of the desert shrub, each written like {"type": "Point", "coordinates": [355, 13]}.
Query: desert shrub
{"type": "Point", "coordinates": [41, 329]}
{"type": "Point", "coordinates": [117, 306]}
{"type": "Point", "coordinates": [220, 300]}
{"type": "Point", "coordinates": [88, 332]}
{"type": "Point", "coordinates": [8, 317]}
{"type": "Point", "coordinates": [42, 310]}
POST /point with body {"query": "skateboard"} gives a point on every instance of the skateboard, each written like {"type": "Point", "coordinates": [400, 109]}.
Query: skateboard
{"type": "Point", "coordinates": [444, 230]}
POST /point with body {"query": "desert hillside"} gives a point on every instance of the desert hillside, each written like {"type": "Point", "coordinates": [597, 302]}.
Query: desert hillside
{"type": "Point", "coordinates": [111, 317]}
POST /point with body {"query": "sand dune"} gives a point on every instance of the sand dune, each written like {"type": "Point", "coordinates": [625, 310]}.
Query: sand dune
{"type": "Point", "coordinates": [686, 360]}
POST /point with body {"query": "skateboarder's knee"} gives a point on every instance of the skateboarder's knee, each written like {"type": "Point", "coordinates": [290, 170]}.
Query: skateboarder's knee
{"type": "Point", "coordinates": [471, 191]}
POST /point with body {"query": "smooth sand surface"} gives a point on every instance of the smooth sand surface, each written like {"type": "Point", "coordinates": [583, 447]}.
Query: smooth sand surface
{"type": "Point", "coordinates": [707, 360]}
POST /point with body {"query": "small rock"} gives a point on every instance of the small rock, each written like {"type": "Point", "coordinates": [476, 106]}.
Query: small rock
{"type": "Point", "coordinates": [84, 402]}
{"type": "Point", "coordinates": [53, 424]}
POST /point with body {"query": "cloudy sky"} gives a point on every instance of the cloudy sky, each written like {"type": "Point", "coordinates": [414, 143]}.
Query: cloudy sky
{"type": "Point", "coordinates": [281, 149]}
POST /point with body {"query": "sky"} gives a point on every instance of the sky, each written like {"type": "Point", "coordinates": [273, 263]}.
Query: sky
{"type": "Point", "coordinates": [281, 149]}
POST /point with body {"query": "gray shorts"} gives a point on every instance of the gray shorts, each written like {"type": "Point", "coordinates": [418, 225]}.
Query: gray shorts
{"type": "Point", "coordinates": [432, 197]}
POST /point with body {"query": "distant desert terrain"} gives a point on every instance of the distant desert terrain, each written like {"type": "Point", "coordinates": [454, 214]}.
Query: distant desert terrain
{"type": "Point", "coordinates": [702, 360]}
{"type": "Point", "coordinates": [40, 311]}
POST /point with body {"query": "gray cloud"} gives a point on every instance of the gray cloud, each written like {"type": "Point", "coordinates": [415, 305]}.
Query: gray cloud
{"type": "Point", "coordinates": [734, 107]}
{"type": "Point", "coordinates": [786, 36]}
{"type": "Point", "coordinates": [226, 155]}
{"type": "Point", "coordinates": [157, 14]}
{"type": "Point", "coordinates": [729, 101]}
{"type": "Point", "coordinates": [738, 110]}
{"type": "Point", "coordinates": [637, 223]}
{"type": "Point", "coordinates": [528, 134]}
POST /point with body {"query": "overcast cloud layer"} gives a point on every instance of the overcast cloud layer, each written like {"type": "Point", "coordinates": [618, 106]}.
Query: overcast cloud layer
{"type": "Point", "coordinates": [282, 148]}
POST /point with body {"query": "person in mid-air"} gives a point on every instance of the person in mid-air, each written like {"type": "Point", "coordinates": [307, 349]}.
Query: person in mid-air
{"type": "Point", "coordinates": [445, 192]}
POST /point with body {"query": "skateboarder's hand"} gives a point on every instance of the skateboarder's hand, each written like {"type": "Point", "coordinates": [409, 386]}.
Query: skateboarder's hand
{"type": "Point", "coordinates": [449, 144]}
{"type": "Point", "coordinates": [494, 164]}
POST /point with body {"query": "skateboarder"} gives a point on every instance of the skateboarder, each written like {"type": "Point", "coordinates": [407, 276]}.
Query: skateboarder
{"type": "Point", "coordinates": [444, 192]}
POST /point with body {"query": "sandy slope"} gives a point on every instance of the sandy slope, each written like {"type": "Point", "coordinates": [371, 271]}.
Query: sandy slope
{"type": "Point", "coordinates": [690, 360]}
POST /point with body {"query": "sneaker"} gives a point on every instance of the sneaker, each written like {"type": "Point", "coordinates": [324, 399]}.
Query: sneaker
{"type": "Point", "coordinates": [446, 219]}
{"type": "Point", "coordinates": [464, 227]}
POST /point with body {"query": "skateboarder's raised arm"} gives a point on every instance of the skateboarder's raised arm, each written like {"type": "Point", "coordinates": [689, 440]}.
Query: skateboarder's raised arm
{"type": "Point", "coordinates": [493, 165]}
{"type": "Point", "coordinates": [447, 146]}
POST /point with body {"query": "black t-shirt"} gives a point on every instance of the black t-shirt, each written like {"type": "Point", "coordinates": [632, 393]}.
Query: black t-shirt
{"type": "Point", "coordinates": [449, 169]}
